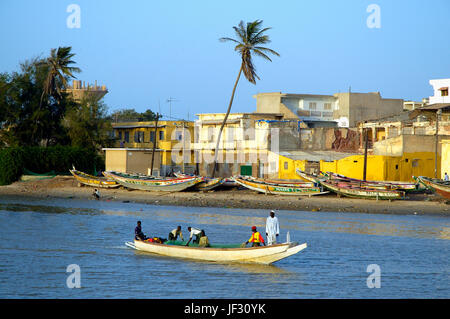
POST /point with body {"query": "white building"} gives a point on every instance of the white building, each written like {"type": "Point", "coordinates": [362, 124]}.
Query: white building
{"type": "Point", "coordinates": [313, 109]}
{"type": "Point", "coordinates": [440, 88]}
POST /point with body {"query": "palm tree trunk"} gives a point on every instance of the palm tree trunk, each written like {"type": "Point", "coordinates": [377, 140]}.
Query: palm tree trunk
{"type": "Point", "coordinates": [223, 123]}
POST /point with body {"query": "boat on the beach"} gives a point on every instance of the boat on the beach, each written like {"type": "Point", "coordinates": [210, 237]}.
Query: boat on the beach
{"type": "Point", "coordinates": [351, 190]}
{"type": "Point", "coordinates": [129, 175]}
{"type": "Point", "coordinates": [158, 185]}
{"type": "Point", "coordinates": [220, 253]}
{"type": "Point", "coordinates": [436, 185]}
{"type": "Point", "coordinates": [206, 185]}
{"type": "Point", "coordinates": [310, 177]}
{"type": "Point", "coordinates": [280, 182]}
{"type": "Point", "coordinates": [289, 189]}
{"type": "Point", "coordinates": [94, 181]}
{"type": "Point", "coordinates": [405, 186]}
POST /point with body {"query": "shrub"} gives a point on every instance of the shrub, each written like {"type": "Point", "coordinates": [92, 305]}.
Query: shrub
{"type": "Point", "coordinates": [14, 160]}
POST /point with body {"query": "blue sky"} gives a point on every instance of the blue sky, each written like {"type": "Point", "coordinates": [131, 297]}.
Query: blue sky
{"type": "Point", "coordinates": [148, 51]}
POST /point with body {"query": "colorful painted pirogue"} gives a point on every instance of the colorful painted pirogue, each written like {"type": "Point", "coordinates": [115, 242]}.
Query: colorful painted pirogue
{"type": "Point", "coordinates": [351, 189]}
{"type": "Point", "coordinates": [280, 182]}
{"type": "Point", "coordinates": [205, 185]}
{"type": "Point", "coordinates": [405, 186]}
{"type": "Point", "coordinates": [158, 185]}
{"type": "Point", "coordinates": [90, 180]}
{"type": "Point", "coordinates": [287, 189]}
{"type": "Point", "coordinates": [436, 185]}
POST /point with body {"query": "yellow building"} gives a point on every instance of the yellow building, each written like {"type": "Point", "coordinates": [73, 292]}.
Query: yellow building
{"type": "Point", "coordinates": [245, 144]}
{"type": "Point", "coordinates": [445, 159]}
{"type": "Point", "coordinates": [133, 149]}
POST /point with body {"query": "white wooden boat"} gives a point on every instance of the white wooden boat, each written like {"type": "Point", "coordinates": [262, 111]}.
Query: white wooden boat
{"type": "Point", "coordinates": [261, 254]}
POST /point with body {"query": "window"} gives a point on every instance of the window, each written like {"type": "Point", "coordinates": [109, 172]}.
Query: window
{"type": "Point", "coordinates": [286, 165]}
{"type": "Point", "coordinates": [444, 92]}
{"type": "Point", "coordinates": [161, 135]}
{"type": "Point", "coordinates": [120, 135]}
{"type": "Point", "coordinates": [127, 136]}
{"type": "Point", "coordinates": [178, 135]}
{"type": "Point", "coordinates": [312, 105]}
{"type": "Point", "coordinates": [152, 136]}
{"type": "Point", "coordinates": [139, 137]}
{"type": "Point", "coordinates": [327, 106]}
{"type": "Point", "coordinates": [249, 134]}
{"type": "Point", "coordinates": [210, 133]}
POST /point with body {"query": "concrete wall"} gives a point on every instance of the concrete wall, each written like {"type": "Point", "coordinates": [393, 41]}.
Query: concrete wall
{"type": "Point", "coordinates": [116, 160]}
{"type": "Point", "coordinates": [268, 102]}
{"type": "Point", "coordinates": [140, 162]}
{"type": "Point", "coordinates": [359, 107]}
{"type": "Point", "coordinates": [325, 139]}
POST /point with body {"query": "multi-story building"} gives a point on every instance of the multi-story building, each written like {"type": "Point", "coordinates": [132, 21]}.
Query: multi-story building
{"type": "Point", "coordinates": [337, 110]}
{"type": "Point", "coordinates": [246, 142]}
{"type": "Point", "coordinates": [440, 90]}
{"type": "Point", "coordinates": [134, 145]}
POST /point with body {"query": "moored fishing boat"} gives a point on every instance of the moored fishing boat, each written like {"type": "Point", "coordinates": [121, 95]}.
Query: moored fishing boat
{"type": "Point", "coordinates": [309, 177]}
{"type": "Point", "coordinates": [221, 253]}
{"type": "Point", "coordinates": [129, 175]}
{"type": "Point", "coordinates": [94, 181]}
{"type": "Point", "coordinates": [350, 190]}
{"type": "Point", "coordinates": [279, 182]}
{"type": "Point", "coordinates": [158, 185]}
{"type": "Point", "coordinates": [405, 186]}
{"type": "Point", "coordinates": [279, 189]}
{"type": "Point", "coordinates": [206, 185]}
{"type": "Point", "coordinates": [436, 185]}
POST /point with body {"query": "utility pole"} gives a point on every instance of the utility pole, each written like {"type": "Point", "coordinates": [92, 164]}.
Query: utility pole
{"type": "Point", "coordinates": [436, 144]}
{"type": "Point", "coordinates": [154, 143]}
{"type": "Point", "coordinates": [365, 152]}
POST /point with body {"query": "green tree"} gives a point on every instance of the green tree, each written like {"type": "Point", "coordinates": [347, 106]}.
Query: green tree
{"type": "Point", "coordinates": [59, 70]}
{"type": "Point", "coordinates": [24, 120]}
{"type": "Point", "coordinates": [87, 124]}
{"type": "Point", "coordinates": [131, 115]}
{"type": "Point", "coordinates": [249, 39]}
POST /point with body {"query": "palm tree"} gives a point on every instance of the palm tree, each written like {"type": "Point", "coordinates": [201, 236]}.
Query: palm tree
{"type": "Point", "coordinates": [59, 70]}
{"type": "Point", "coordinates": [249, 39]}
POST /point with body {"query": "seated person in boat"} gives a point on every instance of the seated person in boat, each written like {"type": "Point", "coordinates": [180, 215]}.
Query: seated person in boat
{"type": "Point", "coordinates": [173, 235]}
{"type": "Point", "coordinates": [194, 231]}
{"type": "Point", "coordinates": [204, 241]}
{"type": "Point", "coordinates": [256, 238]}
{"type": "Point", "coordinates": [138, 234]}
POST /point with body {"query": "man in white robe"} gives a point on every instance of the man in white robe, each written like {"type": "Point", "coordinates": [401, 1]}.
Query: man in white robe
{"type": "Point", "coordinates": [272, 229]}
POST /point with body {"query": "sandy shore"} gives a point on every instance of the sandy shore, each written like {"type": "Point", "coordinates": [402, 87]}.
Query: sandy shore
{"type": "Point", "coordinates": [67, 187]}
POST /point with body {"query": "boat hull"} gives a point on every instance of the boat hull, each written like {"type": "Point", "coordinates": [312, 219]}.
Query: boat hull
{"type": "Point", "coordinates": [440, 188]}
{"type": "Point", "coordinates": [405, 186]}
{"type": "Point", "coordinates": [261, 255]}
{"type": "Point", "coordinates": [280, 190]}
{"type": "Point", "coordinates": [365, 193]}
{"type": "Point", "coordinates": [155, 185]}
{"type": "Point", "coordinates": [93, 181]}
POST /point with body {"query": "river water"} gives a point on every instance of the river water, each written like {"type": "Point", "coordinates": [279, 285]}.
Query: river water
{"type": "Point", "coordinates": [39, 239]}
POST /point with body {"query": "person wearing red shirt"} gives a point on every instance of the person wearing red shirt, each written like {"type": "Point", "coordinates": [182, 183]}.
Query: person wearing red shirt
{"type": "Point", "coordinates": [256, 238]}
